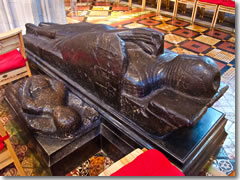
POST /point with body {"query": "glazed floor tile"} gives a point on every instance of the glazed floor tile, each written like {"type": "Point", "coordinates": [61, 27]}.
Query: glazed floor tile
{"type": "Point", "coordinates": [175, 39]}
{"type": "Point", "coordinates": [183, 51]}
{"type": "Point", "coordinates": [207, 40]}
{"type": "Point", "coordinates": [134, 25]}
{"type": "Point", "coordinates": [196, 28]}
{"type": "Point", "coordinates": [166, 27]}
{"type": "Point", "coordinates": [221, 55]}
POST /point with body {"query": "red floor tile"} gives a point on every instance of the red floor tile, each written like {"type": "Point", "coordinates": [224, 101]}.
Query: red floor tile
{"type": "Point", "coordinates": [220, 65]}
{"type": "Point", "coordinates": [167, 45]}
{"type": "Point", "coordinates": [178, 23]}
{"type": "Point", "coordinates": [120, 8]}
{"type": "Point", "coordinates": [86, 1]}
{"type": "Point", "coordinates": [102, 3]}
{"type": "Point", "coordinates": [185, 33]}
{"type": "Point", "coordinates": [164, 32]}
{"type": "Point", "coordinates": [67, 4]}
{"type": "Point", "coordinates": [133, 19]}
{"type": "Point", "coordinates": [81, 8]}
{"type": "Point", "coordinates": [218, 34]}
{"type": "Point", "coordinates": [149, 22]}
{"type": "Point", "coordinates": [227, 46]}
{"type": "Point", "coordinates": [195, 46]}
{"type": "Point", "coordinates": [80, 19]}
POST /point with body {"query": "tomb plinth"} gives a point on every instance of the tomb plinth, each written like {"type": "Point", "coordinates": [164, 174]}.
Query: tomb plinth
{"type": "Point", "coordinates": [145, 95]}
{"type": "Point", "coordinates": [189, 148]}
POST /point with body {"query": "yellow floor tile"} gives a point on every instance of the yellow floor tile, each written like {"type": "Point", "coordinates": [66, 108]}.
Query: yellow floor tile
{"type": "Point", "coordinates": [67, 8]}
{"type": "Point", "coordinates": [82, 13]}
{"type": "Point", "coordinates": [232, 39]}
{"type": "Point", "coordinates": [183, 51]}
{"type": "Point", "coordinates": [98, 13]}
{"type": "Point", "coordinates": [207, 40]}
{"type": "Point", "coordinates": [103, 22]}
{"type": "Point", "coordinates": [90, 19]}
{"type": "Point", "coordinates": [221, 55]}
{"type": "Point", "coordinates": [100, 8]}
{"type": "Point", "coordinates": [196, 28]}
{"type": "Point", "coordinates": [161, 18]}
{"type": "Point", "coordinates": [229, 74]}
{"type": "Point", "coordinates": [166, 27]}
{"type": "Point", "coordinates": [83, 3]}
{"type": "Point", "coordinates": [134, 25]}
{"type": "Point", "coordinates": [175, 39]}
{"type": "Point", "coordinates": [117, 13]}
{"type": "Point", "coordinates": [70, 20]}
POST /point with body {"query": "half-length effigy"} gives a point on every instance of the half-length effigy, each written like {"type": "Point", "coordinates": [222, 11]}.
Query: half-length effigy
{"type": "Point", "coordinates": [49, 109]}
{"type": "Point", "coordinates": [129, 70]}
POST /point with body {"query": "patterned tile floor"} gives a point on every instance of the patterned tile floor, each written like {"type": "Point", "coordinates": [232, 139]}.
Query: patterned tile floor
{"type": "Point", "coordinates": [181, 37]}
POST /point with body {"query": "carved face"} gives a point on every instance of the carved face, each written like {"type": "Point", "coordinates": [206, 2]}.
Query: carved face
{"type": "Point", "coordinates": [38, 84]}
{"type": "Point", "coordinates": [44, 103]}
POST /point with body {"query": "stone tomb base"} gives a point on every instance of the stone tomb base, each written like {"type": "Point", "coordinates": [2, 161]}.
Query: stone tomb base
{"type": "Point", "coordinates": [188, 148]}
{"type": "Point", "coordinates": [62, 156]}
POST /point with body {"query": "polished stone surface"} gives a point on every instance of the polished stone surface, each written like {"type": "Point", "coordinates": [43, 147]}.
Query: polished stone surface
{"type": "Point", "coordinates": [135, 75]}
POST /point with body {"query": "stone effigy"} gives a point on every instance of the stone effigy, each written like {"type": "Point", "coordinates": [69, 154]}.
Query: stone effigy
{"type": "Point", "coordinates": [129, 70]}
{"type": "Point", "coordinates": [49, 109]}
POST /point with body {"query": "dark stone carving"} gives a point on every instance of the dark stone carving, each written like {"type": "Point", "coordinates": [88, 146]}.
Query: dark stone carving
{"type": "Point", "coordinates": [129, 69]}
{"type": "Point", "coordinates": [49, 109]}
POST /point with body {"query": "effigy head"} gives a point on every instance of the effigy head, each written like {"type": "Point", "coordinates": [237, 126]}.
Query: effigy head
{"type": "Point", "coordinates": [42, 97]}
{"type": "Point", "coordinates": [41, 94]}
{"type": "Point", "coordinates": [38, 84]}
{"type": "Point", "coordinates": [197, 76]}
{"type": "Point", "coordinates": [48, 109]}
{"type": "Point", "coordinates": [171, 93]}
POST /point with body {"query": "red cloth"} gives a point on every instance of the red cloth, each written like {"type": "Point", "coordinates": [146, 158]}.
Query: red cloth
{"type": "Point", "coordinates": [212, 1]}
{"type": "Point", "coordinates": [2, 139]}
{"type": "Point", "coordinates": [150, 163]}
{"type": "Point", "coordinates": [11, 60]}
{"type": "Point", "coordinates": [228, 3]}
